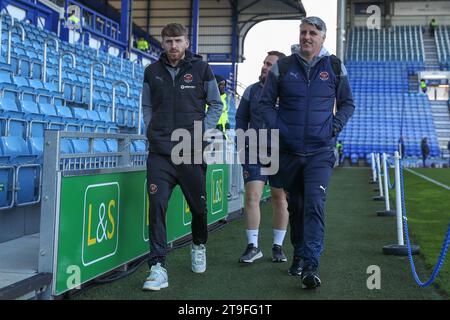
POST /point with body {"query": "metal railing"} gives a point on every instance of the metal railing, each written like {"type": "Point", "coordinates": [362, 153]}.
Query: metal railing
{"type": "Point", "coordinates": [124, 157]}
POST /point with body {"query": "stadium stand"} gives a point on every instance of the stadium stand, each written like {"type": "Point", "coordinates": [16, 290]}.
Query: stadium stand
{"type": "Point", "coordinates": [386, 110]}
{"type": "Point", "coordinates": [31, 103]}
{"type": "Point", "coordinates": [58, 91]}
{"type": "Point", "coordinates": [443, 46]}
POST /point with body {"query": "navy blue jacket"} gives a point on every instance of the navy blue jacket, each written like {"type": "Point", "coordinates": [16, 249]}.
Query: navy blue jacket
{"type": "Point", "coordinates": [307, 93]}
{"type": "Point", "coordinates": [248, 115]}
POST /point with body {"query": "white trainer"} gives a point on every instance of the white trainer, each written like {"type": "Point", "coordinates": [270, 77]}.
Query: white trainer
{"type": "Point", "coordinates": [198, 258]}
{"type": "Point", "coordinates": [157, 279]}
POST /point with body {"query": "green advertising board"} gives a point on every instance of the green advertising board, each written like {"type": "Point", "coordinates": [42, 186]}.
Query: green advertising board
{"type": "Point", "coordinates": [103, 221]}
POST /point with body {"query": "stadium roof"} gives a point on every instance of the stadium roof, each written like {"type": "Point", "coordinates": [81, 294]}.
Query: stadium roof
{"type": "Point", "coordinates": [216, 38]}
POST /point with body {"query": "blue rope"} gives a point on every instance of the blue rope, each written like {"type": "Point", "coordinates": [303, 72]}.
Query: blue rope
{"type": "Point", "coordinates": [444, 248]}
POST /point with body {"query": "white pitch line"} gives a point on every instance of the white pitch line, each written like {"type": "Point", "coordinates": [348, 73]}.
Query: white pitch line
{"type": "Point", "coordinates": [429, 179]}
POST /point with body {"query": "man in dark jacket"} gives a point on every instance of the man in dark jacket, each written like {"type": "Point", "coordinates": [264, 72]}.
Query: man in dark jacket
{"type": "Point", "coordinates": [175, 91]}
{"type": "Point", "coordinates": [425, 151]}
{"type": "Point", "coordinates": [307, 84]}
{"type": "Point", "coordinates": [248, 117]}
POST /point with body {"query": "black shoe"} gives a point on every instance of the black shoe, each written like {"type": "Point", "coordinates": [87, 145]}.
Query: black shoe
{"type": "Point", "coordinates": [251, 254]}
{"type": "Point", "coordinates": [278, 254]}
{"type": "Point", "coordinates": [310, 278]}
{"type": "Point", "coordinates": [297, 266]}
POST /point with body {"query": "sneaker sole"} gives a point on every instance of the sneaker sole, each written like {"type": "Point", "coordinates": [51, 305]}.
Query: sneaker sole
{"type": "Point", "coordinates": [198, 271]}
{"type": "Point", "coordinates": [257, 256]}
{"type": "Point", "coordinates": [154, 288]}
{"type": "Point", "coordinates": [279, 260]}
{"type": "Point", "coordinates": [310, 283]}
{"type": "Point", "coordinates": [294, 273]}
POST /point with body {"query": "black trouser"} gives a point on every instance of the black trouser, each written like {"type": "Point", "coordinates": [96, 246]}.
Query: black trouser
{"type": "Point", "coordinates": [306, 181]}
{"type": "Point", "coordinates": [424, 159]}
{"type": "Point", "coordinates": [162, 177]}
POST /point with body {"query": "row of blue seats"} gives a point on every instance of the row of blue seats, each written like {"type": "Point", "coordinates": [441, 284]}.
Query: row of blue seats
{"type": "Point", "coordinates": [21, 164]}
{"type": "Point", "coordinates": [355, 157]}
{"type": "Point", "coordinates": [29, 88]}
{"type": "Point", "coordinates": [392, 105]}
{"type": "Point", "coordinates": [83, 57]}
{"type": "Point", "coordinates": [391, 138]}
{"type": "Point", "coordinates": [368, 126]}
{"type": "Point", "coordinates": [25, 110]}
{"type": "Point", "coordinates": [389, 63]}
{"type": "Point", "coordinates": [52, 70]}
{"type": "Point", "coordinates": [367, 147]}
{"type": "Point", "coordinates": [397, 116]}
{"type": "Point", "coordinates": [16, 150]}
{"type": "Point", "coordinates": [17, 115]}
{"type": "Point", "coordinates": [35, 37]}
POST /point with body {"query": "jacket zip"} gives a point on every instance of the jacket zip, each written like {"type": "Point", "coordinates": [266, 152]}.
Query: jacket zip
{"type": "Point", "coordinates": [308, 70]}
{"type": "Point", "coordinates": [172, 102]}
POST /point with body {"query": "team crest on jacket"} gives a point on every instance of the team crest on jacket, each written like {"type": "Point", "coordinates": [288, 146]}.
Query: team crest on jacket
{"type": "Point", "coordinates": [153, 188]}
{"type": "Point", "coordinates": [188, 78]}
{"type": "Point", "coordinates": [324, 76]}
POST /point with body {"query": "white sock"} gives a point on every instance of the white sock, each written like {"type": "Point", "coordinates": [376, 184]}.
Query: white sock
{"type": "Point", "coordinates": [252, 237]}
{"type": "Point", "coordinates": [278, 236]}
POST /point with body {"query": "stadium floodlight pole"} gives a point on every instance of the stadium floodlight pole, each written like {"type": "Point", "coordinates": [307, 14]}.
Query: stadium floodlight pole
{"type": "Point", "coordinates": [10, 36]}
{"type": "Point", "coordinates": [44, 66]}
{"type": "Point", "coordinates": [74, 64]}
{"type": "Point", "coordinates": [399, 249]}
{"type": "Point", "coordinates": [91, 82]}
{"type": "Point", "coordinates": [387, 212]}
{"type": "Point", "coordinates": [380, 184]}
{"type": "Point", "coordinates": [115, 84]}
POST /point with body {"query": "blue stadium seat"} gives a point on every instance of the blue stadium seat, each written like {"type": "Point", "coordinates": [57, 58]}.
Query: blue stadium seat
{"type": "Point", "coordinates": [139, 146]}
{"type": "Point", "coordinates": [94, 117]}
{"type": "Point", "coordinates": [72, 123]}
{"type": "Point", "coordinates": [52, 88]}
{"type": "Point", "coordinates": [83, 119]}
{"type": "Point", "coordinates": [5, 66]}
{"type": "Point", "coordinates": [6, 81]}
{"type": "Point", "coordinates": [23, 86]}
{"type": "Point", "coordinates": [7, 180]}
{"type": "Point", "coordinates": [66, 146]}
{"type": "Point", "coordinates": [38, 86]}
{"type": "Point", "coordinates": [13, 122]}
{"type": "Point", "coordinates": [49, 111]}
{"type": "Point", "coordinates": [27, 172]}
{"type": "Point", "coordinates": [36, 147]}
{"type": "Point", "coordinates": [15, 148]}
{"type": "Point", "coordinates": [113, 145]}
{"type": "Point", "coordinates": [80, 145]}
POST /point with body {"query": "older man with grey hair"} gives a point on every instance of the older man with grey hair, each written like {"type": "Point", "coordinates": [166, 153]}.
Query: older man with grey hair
{"type": "Point", "coordinates": [307, 84]}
